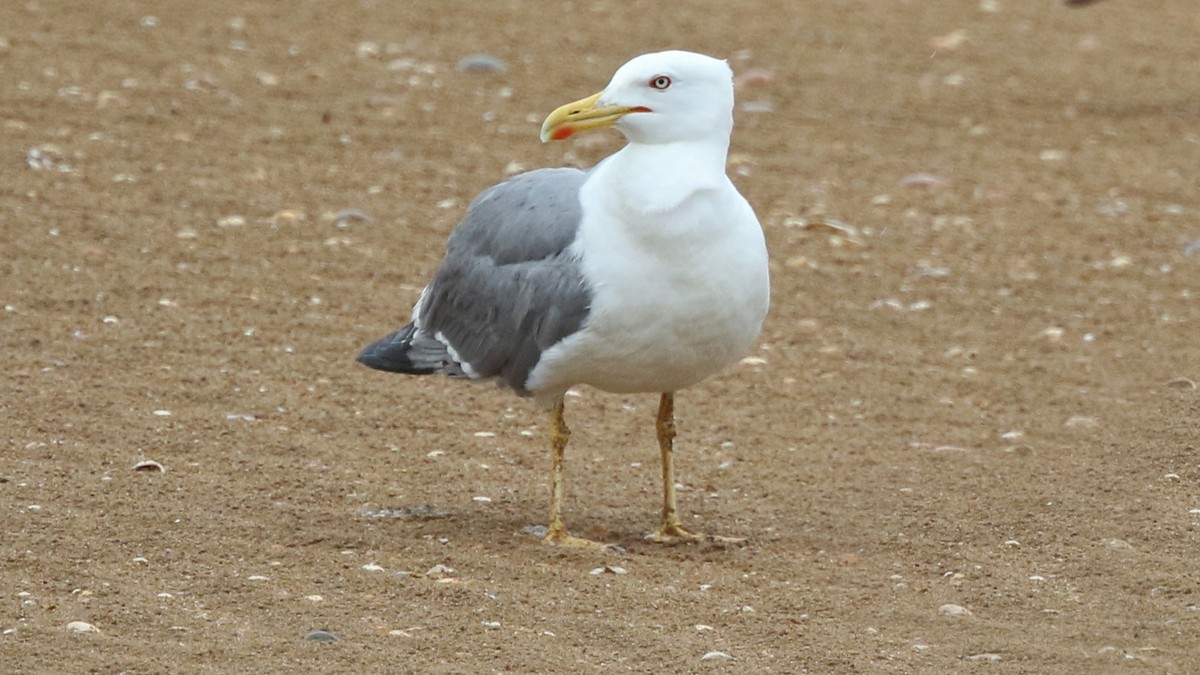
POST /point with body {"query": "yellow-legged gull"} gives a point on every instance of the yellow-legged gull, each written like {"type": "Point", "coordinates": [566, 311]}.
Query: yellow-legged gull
{"type": "Point", "coordinates": [647, 273]}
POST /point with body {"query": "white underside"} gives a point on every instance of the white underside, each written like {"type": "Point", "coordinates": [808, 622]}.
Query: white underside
{"type": "Point", "coordinates": [679, 279]}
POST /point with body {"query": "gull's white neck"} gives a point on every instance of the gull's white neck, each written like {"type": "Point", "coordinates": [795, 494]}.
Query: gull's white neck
{"type": "Point", "coordinates": [658, 177]}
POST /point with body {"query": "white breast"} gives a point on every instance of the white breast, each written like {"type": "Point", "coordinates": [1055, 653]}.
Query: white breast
{"type": "Point", "coordinates": [677, 294]}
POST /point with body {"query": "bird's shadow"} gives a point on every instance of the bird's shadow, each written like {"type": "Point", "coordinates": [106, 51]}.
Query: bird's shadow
{"type": "Point", "coordinates": [511, 524]}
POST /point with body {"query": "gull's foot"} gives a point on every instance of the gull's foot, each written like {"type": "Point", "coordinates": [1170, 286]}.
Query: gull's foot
{"type": "Point", "coordinates": [560, 537]}
{"type": "Point", "coordinates": [671, 534]}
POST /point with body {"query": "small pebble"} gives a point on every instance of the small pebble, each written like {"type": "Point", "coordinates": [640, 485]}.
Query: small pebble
{"type": "Point", "coordinates": [954, 611]}
{"type": "Point", "coordinates": [716, 656]}
{"type": "Point", "coordinates": [418, 512]}
{"type": "Point", "coordinates": [322, 636]}
{"type": "Point", "coordinates": [757, 107]}
{"type": "Point", "coordinates": [1182, 383]}
{"type": "Point", "coordinates": [373, 567]}
{"type": "Point", "coordinates": [149, 465]}
{"type": "Point", "coordinates": [82, 627]}
{"type": "Point", "coordinates": [480, 63]}
{"type": "Point", "coordinates": [1081, 422]}
{"type": "Point", "coordinates": [538, 531]}
{"type": "Point", "coordinates": [926, 180]}
{"type": "Point", "coordinates": [950, 41]}
{"type": "Point", "coordinates": [343, 218]}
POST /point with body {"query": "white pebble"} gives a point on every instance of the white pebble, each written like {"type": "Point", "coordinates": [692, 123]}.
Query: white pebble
{"type": "Point", "coordinates": [716, 656]}
{"type": "Point", "coordinates": [82, 627]}
{"type": "Point", "coordinates": [373, 567]}
{"type": "Point", "coordinates": [1081, 422]}
{"type": "Point", "coordinates": [954, 611]}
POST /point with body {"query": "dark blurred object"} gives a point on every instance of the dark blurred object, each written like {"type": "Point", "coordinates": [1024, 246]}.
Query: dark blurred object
{"type": "Point", "coordinates": [1080, 3]}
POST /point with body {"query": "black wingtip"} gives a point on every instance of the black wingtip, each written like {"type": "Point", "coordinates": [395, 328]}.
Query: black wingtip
{"type": "Point", "coordinates": [391, 355]}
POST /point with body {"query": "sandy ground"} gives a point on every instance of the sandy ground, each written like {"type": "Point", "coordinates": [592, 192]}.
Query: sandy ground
{"type": "Point", "coordinates": [976, 388]}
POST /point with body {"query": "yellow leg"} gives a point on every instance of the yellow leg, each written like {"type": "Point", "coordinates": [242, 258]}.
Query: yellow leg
{"type": "Point", "coordinates": [556, 531]}
{"type": "Point", "coordinates": [672, 531]}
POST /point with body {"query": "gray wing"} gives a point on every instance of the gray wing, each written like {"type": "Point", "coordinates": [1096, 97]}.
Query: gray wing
{"type": "Point", "coordinates": [506, 291]}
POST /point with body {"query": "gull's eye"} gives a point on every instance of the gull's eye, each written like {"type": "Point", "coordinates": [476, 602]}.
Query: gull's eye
{"type": "Point", "coordinates": [661, 82]}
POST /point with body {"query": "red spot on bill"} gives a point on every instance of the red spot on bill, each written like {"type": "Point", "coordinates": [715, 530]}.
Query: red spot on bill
{"type": "Point", "coordinates": [562, 133]}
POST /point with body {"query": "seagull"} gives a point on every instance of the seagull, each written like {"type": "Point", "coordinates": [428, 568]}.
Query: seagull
{"type": "Point", "coordinates": [645, 274]}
